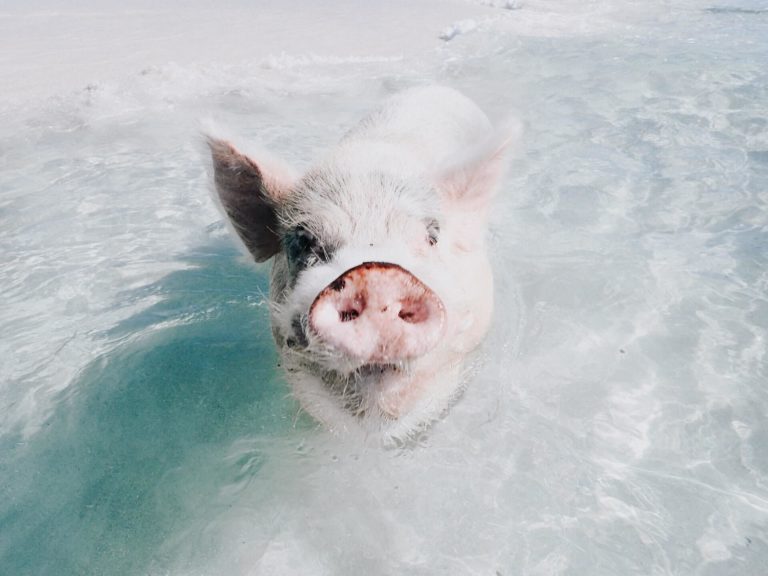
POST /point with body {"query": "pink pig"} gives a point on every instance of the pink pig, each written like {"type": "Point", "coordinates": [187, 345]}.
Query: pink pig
{"type": "Point", "coordinates": [380, 281]}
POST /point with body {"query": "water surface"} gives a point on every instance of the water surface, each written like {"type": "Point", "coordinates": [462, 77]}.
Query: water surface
{"type": "Point", "coordinates": [614, 420]}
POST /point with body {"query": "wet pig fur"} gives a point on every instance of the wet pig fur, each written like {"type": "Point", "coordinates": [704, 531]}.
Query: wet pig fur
{"type": "Point", "coordinates": [380, 282]}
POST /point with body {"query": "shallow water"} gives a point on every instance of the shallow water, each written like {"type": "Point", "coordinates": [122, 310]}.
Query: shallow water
{"type": "Point", "coordinates": [614, 420]}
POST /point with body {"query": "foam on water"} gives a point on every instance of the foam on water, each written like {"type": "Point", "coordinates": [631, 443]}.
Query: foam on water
{"type": "Point", "coordinates": [614, 421]}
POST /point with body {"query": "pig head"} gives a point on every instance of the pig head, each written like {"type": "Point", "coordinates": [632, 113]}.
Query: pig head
{"type": "Point", "coordinates": [380, 282]}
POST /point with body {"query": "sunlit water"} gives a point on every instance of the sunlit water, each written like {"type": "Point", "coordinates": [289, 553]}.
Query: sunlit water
{"type": "Point", "coordinates": [615, 421]}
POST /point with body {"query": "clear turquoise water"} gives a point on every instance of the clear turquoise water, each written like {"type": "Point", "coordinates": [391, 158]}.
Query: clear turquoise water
{"type": "Point", "coordinates": [615, 419]}
{"type": "Point", "coordinates": [108, 476]}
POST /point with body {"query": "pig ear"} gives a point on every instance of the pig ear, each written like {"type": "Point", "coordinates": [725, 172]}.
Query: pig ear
{"type": "Point", "coordinates": [249, 194]}
{"type": "Point", "coordinates": [472, 183]}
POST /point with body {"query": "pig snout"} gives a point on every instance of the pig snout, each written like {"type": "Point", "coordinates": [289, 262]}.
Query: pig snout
{"type": "Point", "coordinates": [378, 312]}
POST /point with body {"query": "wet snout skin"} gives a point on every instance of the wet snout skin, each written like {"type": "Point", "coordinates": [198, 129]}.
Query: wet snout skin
{"type": "Point", "coordinates": [378, 313]}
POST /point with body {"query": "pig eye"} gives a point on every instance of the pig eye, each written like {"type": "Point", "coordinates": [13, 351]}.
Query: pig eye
{"type": "Point", "coordinates": [433, 231]}
{"type": "Point", "coordinates": [303, 248]}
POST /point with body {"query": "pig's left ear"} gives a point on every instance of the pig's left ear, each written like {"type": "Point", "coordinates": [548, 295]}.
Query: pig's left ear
{"type": "Point", "coordinates": [472, 183]}
{"type": "Point", "coordinates": [250, 194]}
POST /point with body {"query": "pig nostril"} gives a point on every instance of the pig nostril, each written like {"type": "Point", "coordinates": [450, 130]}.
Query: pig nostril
{"type": "Point", "coordinates": [413, 312]}
{"type": "Point", "coordinates": [348, 315]}
{"type": "Point", "coordinates": [407, 316]}
{"type": "Point", "coordinates": [338, 285]}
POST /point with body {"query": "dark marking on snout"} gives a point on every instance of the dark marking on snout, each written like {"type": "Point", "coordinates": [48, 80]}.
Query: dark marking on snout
{"type": "Point", "coordinates": [338, 285]}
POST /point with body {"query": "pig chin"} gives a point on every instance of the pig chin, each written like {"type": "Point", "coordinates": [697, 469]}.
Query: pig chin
{"type": "Point", "coordinates": [367, 387]}
{"type": "Point", "coordinates": [363, 390]}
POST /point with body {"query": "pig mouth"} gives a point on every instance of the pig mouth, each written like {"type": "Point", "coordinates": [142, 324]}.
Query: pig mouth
{"type": "Point", "coordinates": [373, 369]}
{"type": "Point", "coordinates": [366, 376]}
{"type": "Point", "coordinates": [360, 389]}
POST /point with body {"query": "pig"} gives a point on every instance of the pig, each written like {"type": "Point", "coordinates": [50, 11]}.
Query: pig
{"type": "Point", "coordinates": [380, 282]}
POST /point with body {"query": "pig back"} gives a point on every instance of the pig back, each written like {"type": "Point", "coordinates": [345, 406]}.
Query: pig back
{"type": "Point", "coordinates": [416, 131]}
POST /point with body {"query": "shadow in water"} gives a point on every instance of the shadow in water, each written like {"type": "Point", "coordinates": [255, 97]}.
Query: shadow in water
{"type": "Point", "coordinates": [138, 444]}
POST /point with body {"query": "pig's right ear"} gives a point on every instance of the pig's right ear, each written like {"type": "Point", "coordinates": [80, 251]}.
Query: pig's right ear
{"type": "Point", "coordinates": [471, 183]}
{"type": "Point", "coordinates": [250, 194]}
